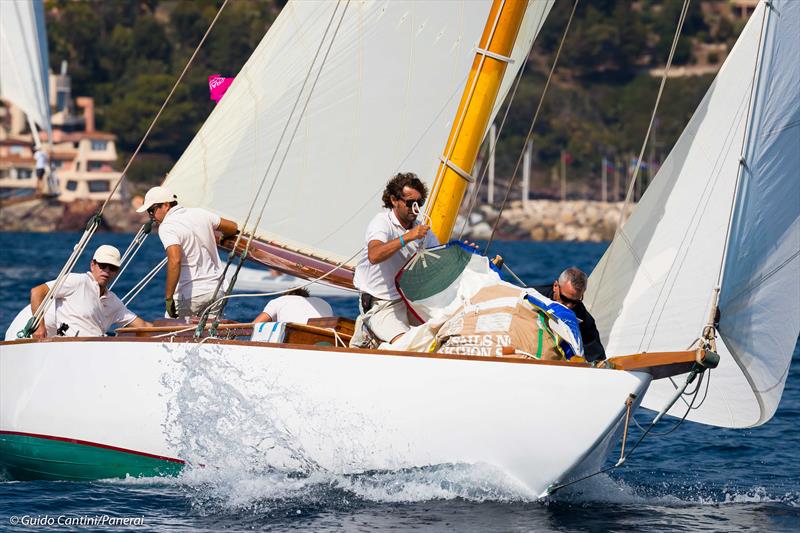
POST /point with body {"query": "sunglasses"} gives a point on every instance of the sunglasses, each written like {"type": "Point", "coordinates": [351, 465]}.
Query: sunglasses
{"type": "Point", "coordinates": [410, 203]}
{"type": "Point", "coordinates": [107, 266]}
{"type": "Point", "coordinates": [152, 209]}
{"type": "Point", "coordinates": [566, 300]}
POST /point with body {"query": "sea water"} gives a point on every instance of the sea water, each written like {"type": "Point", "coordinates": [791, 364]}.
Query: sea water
{"type": "Point", "coordinates": [696, 478]}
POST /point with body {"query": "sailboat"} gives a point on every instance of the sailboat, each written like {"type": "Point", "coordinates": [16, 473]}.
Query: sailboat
{"type": "Point", "coordinates": [391, 78]}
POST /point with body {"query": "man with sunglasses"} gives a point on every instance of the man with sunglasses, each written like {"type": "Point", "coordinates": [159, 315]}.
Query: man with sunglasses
{"type": "Point", "coordinates": [568, 290]}
{"type": "Point", "coordinates": [193, 264]}
{"type": "Point", "coordinates": [392, 238]}
{"type": "Point", "coordinates": [84, 307]}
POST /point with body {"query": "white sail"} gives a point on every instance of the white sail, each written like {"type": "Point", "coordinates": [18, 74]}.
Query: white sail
{"type": "Point", "coordinates": [23, 59]}
{"type": "Point", "coordinates": [386, 96]}
{"type": "Point", "coordinates": [652, 290]}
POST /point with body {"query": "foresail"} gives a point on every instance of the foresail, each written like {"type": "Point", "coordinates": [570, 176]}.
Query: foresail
{"type": "Point", "coordinates": [391, 74]}
{"type": "Point", "coordinates": [652, 290]}
{"type": "Point", "coordinates": [760, 298]}
{"type": "Point", "coordinates": [23, 59]}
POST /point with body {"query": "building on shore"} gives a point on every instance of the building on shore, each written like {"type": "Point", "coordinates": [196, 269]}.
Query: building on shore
{"type": "Point", "coordinates": [82, 159]}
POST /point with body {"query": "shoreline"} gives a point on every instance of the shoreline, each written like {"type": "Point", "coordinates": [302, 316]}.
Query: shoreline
{"type": "Point", "coordinates": [540, 220]}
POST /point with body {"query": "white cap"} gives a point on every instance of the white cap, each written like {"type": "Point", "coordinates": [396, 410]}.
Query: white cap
{"type": "Point", "coordinates": [107, 254]}
{"type": "Point", "coordinates": [156, 195]}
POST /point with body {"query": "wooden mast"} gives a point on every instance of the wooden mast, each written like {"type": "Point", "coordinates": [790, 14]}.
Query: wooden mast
{"type": "Point", "coordinates": [474, 112]}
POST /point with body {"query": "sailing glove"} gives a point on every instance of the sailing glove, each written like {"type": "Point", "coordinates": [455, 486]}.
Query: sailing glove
{"type": "Point", "coordinates": [171, 311]}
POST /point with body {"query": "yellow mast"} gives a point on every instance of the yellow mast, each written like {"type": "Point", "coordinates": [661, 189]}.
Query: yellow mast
{"type": "Point", "coordinates": [474, 112]}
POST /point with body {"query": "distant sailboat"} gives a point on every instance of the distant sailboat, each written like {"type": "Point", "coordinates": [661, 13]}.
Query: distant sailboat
{"type": "Point", "coordinates": [391, 77]}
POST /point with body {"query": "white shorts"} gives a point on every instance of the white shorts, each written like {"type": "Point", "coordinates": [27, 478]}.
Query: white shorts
{"type": "Point", "coordinates": [385, 320]}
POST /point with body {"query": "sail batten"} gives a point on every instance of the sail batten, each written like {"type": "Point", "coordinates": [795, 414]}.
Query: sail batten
{"type": "Point", "coordinates": [724, 209]}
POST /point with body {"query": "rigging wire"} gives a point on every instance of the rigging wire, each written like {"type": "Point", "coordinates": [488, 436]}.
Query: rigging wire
{"type": "Point", "coordinates": [629, 193]}
{"type": "Point", "coordinates": [94, 221]}
{"type": "Point", "coordinates": [530, 129]}
{"type": "Point", "coordinates": [243, 254]}
{"type": "Point", "coordinates": [473, 200]}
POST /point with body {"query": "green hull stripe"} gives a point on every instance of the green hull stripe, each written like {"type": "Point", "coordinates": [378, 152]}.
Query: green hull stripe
{"type": "Point", "coordinates": [25, 457]}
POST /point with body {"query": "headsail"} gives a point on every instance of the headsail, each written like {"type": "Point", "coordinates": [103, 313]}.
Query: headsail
{"type": "Point", "coordinates": [23, 59]}
{"type": "Point", "coordinates": [652, 290]}
{"type": "Point", "coordinates": [386, 95]}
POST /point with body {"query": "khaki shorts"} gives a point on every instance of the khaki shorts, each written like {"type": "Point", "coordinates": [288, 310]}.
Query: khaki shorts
{"type": "Point", "coordinates": [385, 320]}
{"type": "Point", "coordinates": [195, 306]}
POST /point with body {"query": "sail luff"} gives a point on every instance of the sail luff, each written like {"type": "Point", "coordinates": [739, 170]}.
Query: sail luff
{"type": "Point", "coordinates": [474, 113]}
{"type": "Point", "coordinates": [666, 260]}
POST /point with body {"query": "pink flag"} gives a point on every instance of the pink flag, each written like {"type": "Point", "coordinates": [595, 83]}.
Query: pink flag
{"type": "Point", "coordinates": [217, 85]}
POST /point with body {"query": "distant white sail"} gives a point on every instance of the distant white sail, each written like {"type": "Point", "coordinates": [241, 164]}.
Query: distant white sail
{"type": "Point", "coordinates": [652, 289]}
{"type": "Point", "coordinates": [23, 59]}
{"type": "Point", "coordinates": [384, 102]}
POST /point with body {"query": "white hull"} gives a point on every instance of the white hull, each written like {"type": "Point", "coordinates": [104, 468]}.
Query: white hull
{"type": "Point", "coordinates": [321, 408]}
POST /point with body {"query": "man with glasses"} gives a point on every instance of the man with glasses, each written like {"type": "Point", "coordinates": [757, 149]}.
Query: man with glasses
{"type": "Point", "coordinates": [193, 264]}
{"type": "Point", "coordinates": [568, 290]}
{"type": "Point", "coordinates": [393, 236]}
{"type": "Point", "coordinates": [84, 307]}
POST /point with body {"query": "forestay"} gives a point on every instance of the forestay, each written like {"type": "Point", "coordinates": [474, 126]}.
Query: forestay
{"type": "Point", "coordinates": [384, 102]}
{"type": "Point", "coordinates": [652, 290]}
{"type": "Point", "coordinates": [23, 59]}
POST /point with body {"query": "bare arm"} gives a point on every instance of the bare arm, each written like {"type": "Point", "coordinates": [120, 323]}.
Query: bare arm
{"type": "Point", "coordinates": [38, 295]}
{"type": "Point", "coordinates": [263, 317]}
{"type": "Point", "coordinates": [174, 253]}
{"type": "Point", "coordinates": [139, 323]}
{"type": "Point", "coordinates": [379, 251]}
{"type": "Point", "coordinates": [227, 227]}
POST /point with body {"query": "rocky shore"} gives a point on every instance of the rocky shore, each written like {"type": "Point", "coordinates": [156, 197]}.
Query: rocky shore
{"type": "Point", "coordinates": [548, 220]}
{"type": "Point", "coordinates": [541, 220]}
{"type": "Point", "coordinates": [44, 216]}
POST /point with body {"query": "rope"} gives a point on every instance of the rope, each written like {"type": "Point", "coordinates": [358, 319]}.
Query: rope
{"type": "Point", "coordinates": [530, 129]}
{"type": "Point", "coordinates": [94, 222]}
{"type": "Point", "coordinates": [622, 460]}
{"type": "Point", "coordinates": [134, 292]}
{"type": "Point", "coordinates": [133, 249]}
{"type": "Point", "coordinates": [243, 255]}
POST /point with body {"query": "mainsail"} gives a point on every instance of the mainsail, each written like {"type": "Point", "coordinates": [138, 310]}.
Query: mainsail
{"type": "Point", "coordinates": [727, 200]}
{"type": "Point", "coordinates": [23, 59]}
{"type": "Point", "coordinates": [391, 74]}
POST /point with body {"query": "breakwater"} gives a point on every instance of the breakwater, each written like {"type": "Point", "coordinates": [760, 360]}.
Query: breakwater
{"type": "Point", "coordinates": [547, 220]}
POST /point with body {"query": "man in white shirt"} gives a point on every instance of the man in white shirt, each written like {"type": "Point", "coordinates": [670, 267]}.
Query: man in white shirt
{"type": "Point", "coordinates": [392, 238]}
{"type": "Point", "coordinates": [193, 264]}
{"type": "Point", "coordinates": [40, 156]}
{"type": "Point", "coordinates": [83, 302]}
{"type": "Point", "coordinates": [296, 306]}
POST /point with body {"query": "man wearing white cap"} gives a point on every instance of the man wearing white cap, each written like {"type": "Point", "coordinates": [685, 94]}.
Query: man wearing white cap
{"type": "Point", "coordinates": [193, 264]}
{"type": "Point", "coordinates": [84, 307]}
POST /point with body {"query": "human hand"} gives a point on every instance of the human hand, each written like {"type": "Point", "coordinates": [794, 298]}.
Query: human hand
{"type": "Point", "coordinates": [40, 333]}
{"type": "Point", "coordinates": [417, 232]}
{"type": "Point", "coordinates": [171, 311]}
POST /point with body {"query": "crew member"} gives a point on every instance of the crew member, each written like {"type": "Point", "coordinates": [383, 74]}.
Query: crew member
{"type": "Point", "coordinates": [84, 307]}
{"type": "Point", "coordinates": [193, 264]}
{"type": "Point", "coordinates": [393, 236]}
{"type": "Point", "coordinates": [568, 290]}
{"type": "Point", "coordinates": [295, 306]}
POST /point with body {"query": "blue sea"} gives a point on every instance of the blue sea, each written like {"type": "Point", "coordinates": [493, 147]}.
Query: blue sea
{"type": "Point", "coordinates": [697, 478]}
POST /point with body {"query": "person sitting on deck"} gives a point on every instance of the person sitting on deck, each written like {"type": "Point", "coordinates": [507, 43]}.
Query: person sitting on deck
{"type": "Point", "coordinates": [84, 307]}
{"type": "Point", "coordinates": [568, 290]}
{"type": "Point", "coordinates": [295, 306]}
{"type": "Point", "coordinates": [390, 243]}
{"type": "Point", "coordinates": [193, 264]}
